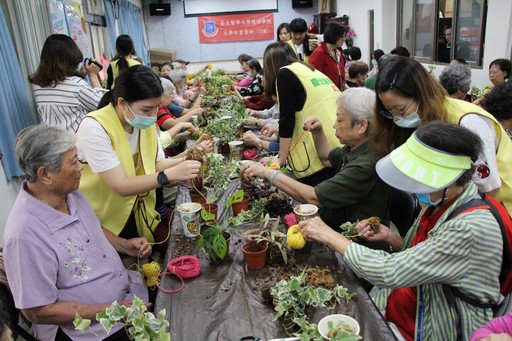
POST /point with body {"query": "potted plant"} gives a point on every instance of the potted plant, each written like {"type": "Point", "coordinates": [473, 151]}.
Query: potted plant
{"type": "Point", "coordinates": [254, 253]}
{"type": "Point", "coordinates": [239, 201]}
{"type": "Point", "coordinates": [139, 323]}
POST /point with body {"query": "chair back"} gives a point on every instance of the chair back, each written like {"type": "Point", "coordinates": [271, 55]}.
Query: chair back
{"type": "Point", "coordinates": [404, 209]}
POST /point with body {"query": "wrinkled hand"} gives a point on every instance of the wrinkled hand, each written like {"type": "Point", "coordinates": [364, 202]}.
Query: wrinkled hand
{"type": "Point", "coordinates": [251, 121]}
{"type": "Point", "coordinates": [137, 247]}
{"type": "Point", "coordinates": [251, 170]}
{"type": "Point", "coordinates": [129, 303]}
{"type": "Point", "coordinates": [316, 229]}
{"type": "Point", "coordinates": [202, 91]}
{"type": "Point", "coordinates": [188, 169]}
{"type": "Point", "coordinates": [365, 231]}
{"type": "Point", "coordinates": [312, 124]}
{"type": "Point", "coordinates": [269, 129]}
{"type": "Point", "coordinates": [187, 126]}
{"type": "Point", "coordinates": [250, 139]}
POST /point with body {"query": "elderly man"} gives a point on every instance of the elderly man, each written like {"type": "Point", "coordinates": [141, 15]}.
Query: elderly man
{"type": "Point", "coordinates": [355, 192]}
{"type": "Point", "coordinates": [58, 260]}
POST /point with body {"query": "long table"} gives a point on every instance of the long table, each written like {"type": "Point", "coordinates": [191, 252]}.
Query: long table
{"type": "Point", "coordinates": [225, 302]}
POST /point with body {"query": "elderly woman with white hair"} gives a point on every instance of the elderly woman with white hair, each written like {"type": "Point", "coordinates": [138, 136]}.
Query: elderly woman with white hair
{"type": "Point", "coordinates": [456, 80]}
{"type": "Point", "coordinates": [184, 97]}
{"type": "Point", "coordinates": [58, 258]}
{"type": "Point", "coordinates": [355, 192]}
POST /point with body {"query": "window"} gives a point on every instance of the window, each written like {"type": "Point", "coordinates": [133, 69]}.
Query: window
{"type": "Point", "coordinates": [437, 31]}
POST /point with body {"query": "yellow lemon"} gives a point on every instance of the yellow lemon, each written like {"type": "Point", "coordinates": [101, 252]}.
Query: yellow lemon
{"type": "Point", "coordinates": [295, 238]}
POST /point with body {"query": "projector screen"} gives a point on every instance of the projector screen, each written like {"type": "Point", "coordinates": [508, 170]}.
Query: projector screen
{"type": "Point", "coordinates": [203, 7]}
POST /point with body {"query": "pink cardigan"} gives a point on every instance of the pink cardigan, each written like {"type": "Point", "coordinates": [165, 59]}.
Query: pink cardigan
{"type": "Point", "coordinates": [498, 325]}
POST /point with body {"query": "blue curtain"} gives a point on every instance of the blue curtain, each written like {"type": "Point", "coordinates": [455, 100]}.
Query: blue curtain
{"type": "Point", "coordinates": [15, 112]}
{"type": "Point", "coordinates": [130, 22]}
{"type": "Point", "coordinates": [110, 17]}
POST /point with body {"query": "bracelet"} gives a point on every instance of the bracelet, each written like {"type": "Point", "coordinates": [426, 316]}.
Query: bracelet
{"type": "Point", "coordinates": [273, 176]}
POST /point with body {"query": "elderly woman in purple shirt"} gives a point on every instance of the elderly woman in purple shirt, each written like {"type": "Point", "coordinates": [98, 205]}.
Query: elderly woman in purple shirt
{"type": "Point", "coordinates": [58, 259]}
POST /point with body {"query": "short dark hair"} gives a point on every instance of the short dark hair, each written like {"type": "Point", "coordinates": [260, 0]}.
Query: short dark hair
{"type": "Point", "coordinates": [134, 84]}
{"type": "Point", "coordinates": [255, 64]}
{"type": "Point", "coordinates": [377, 54]}
{"type": "Point", "coordinates": [298, 25]}
{"type": "Point", "coordinates": [243, 57]}
{"type": "Point", "coordinates": [356, 68]}
{"type": "Point", "coordinates": [169, 64]}
{"type": "Point", "coordinates": [504, 64]}
{"type": "Point", "coordinates": [499, 101]}
{"type": "Point", "coordinates": [60, 58]}
{"type": "Point", "coordinates": [401, 51]}
{"type": "Point", "coordinates": [453, 139]}
{"type": "Point", "coordinates": [333, 32]}
{"type": "Point", "coordinates": [355, 53]}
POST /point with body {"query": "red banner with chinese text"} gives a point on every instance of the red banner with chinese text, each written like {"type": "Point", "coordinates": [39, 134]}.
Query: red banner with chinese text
{"type": "Point", "coordinates": [236, 27]}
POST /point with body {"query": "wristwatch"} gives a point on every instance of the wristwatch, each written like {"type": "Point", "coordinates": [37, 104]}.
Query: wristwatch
{"type": "Point", "coordinates": [162, 178]}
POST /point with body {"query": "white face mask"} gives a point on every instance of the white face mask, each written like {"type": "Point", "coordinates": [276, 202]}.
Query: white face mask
{"type": "Point", "coordinates": [374, 62]}
{"type": "Point", "coordinates": [411, 121]}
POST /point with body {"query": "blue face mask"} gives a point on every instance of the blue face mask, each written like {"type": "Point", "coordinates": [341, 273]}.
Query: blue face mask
{"type": "Point", "coordinates": [424, 198]}
{"type": "Point", "coordinates": [183, 88]}
{"type": "Point", "coordinates": [411, 121]}
{"type": "Point", "coordinates": [140, 122]}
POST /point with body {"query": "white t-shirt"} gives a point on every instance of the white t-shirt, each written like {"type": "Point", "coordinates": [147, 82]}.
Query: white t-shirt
{"type": "Point", "coordinates": [94, 146]}
{"type": "Point", "coordinates": [484, 128]}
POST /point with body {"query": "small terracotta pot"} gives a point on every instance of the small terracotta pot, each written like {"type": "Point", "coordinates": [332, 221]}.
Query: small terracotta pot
{"type": "Point", "coordinates": [255, 254]}
{"type": "Point", "coordinates": [212, 209]}
{"type": "Point", "coordinates": [198, 197]}
{"type": "Point", "coordinates": [241, 206]}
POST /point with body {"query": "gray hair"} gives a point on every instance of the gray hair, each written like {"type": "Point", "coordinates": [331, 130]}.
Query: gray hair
{"type": "Point", "coordinates": [42, 146]}
{"type": "Point", "coordinates": [359, 103]}
{"type": "Point", "coordinates": [167, 85]}
{"type": "Point", "coordinates": [456, 78]}
{"type": "Point", "coordinates": [178, 75]}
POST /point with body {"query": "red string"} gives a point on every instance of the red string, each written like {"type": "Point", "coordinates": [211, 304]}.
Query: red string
{"type": "Point", "coordinates": [183, 267]}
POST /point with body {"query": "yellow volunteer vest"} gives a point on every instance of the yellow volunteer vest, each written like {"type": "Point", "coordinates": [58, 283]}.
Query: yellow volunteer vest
{"type": "Point", "coordinates": [112, 209]}
{"type": "Point", "coordinates": [306, 58]}
{"type": "Point", "coordinates": [321, 99]}
{"type": "Point", "coordinates": [115, 70]}
{"type": "Point", "coordinates": [456, 110]}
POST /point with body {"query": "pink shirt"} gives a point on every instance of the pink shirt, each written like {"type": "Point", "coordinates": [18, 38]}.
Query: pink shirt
{"type": "Point", "coordinates": [246, 81]}
{"type": "Point", "coordinates": [52, 257]}
{"type": "Point", "coordinates": [498, 325]}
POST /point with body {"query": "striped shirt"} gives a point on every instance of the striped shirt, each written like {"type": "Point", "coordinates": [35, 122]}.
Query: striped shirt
{"type": "Point", "coordinates": [66, 104]}
{"type": "Point", "coordinates": [464, 252]}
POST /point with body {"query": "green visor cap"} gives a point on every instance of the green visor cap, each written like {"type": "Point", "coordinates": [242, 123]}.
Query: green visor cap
{"type": "Point", "coordinates": [417, 168]}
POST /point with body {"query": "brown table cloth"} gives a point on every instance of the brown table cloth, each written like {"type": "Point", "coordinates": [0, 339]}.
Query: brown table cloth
{"type": "Point", "coordinates": [225, 302]}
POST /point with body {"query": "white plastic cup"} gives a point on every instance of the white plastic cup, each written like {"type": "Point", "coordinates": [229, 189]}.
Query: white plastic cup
{"type": "Point", "coordinates": [313, 44]}
{"type": "Point", "coordinates": [305, 211]}
{"type": "Point", "coordinates": [336, 319]}
{"type": "Point", "coordinates": [216, 142]}
{"type": "Point", "coordinates": [190, 218]}
{"type": "Point", "coordinates": [235, 149]}
{"type": "Point", "coordinates": [195, 120]}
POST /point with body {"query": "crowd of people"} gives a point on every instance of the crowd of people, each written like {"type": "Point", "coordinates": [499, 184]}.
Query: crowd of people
{"type": "Point", "coordinates": [96, 167]}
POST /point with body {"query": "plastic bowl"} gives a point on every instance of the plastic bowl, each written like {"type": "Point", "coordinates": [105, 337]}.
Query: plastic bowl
{"type": "Point", "coordinates": [336, 318]}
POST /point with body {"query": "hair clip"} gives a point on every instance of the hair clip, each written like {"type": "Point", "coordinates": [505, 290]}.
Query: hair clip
{"type": "Point", "coordinates": [393, 82]}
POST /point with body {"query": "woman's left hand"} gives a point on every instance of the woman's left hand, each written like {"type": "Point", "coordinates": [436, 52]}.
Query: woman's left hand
{"type": "Point", "coordinates": [252, 170]}
{"type": "Point", "coordinates": [206, 146]}
{"type": "Point", "coordinates": [138, 247]}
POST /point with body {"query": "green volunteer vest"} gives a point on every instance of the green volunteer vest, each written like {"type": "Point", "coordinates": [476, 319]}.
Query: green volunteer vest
{"type": "Point", "coordinates": [112, 209]}
{"type": "Point", "coordinates": [115, 69]}
{"type": "Point", "coordinates": [456, 110]}
{"type": "Point", "coordinates": [321, 99]}
{"type": "Point", "coordinates": [306, 58]}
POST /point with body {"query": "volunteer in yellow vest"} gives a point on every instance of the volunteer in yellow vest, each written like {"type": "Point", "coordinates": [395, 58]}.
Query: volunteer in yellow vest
{"type": "Point", "coordinates": [124, 58]}
{"type": "Point", "coordinates": [301, 92]}
{"type": "Point", "coordinates": [299, 41]}
{"type": "Point", "coordinates": [124, 161]}
{"type": "Point", "coordinates": [409, 96]}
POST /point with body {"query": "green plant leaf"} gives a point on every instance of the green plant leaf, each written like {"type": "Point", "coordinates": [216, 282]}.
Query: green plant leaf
{"type": "Point", "coordinates": [238, 196]}
{"type": "Point", "coordinates": [207, 216]}
{"type": "Point", "coordinates": [107, 324]}
{"type": "Point", "coordinates": [220, 246]}
{"type": "Point", "coordinates": [81, 323]}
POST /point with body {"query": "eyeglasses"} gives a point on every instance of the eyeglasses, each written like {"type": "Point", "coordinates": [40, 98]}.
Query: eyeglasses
{"type": "Point", "coordinates": [390, 114]}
